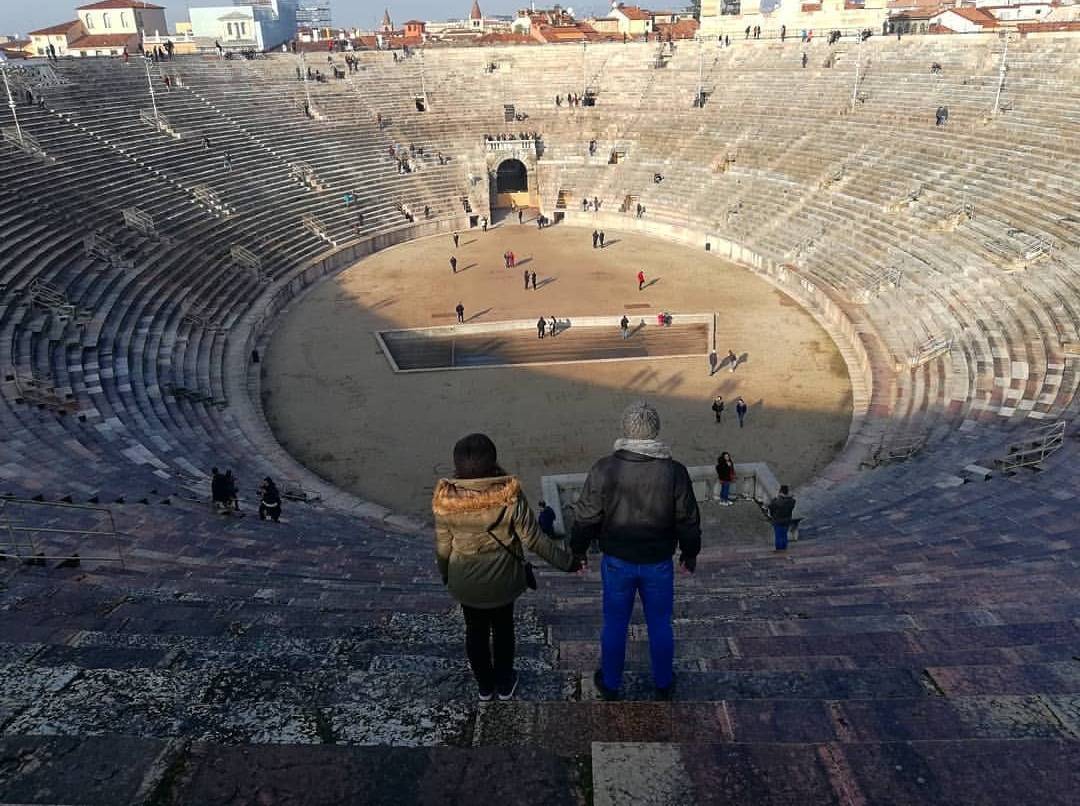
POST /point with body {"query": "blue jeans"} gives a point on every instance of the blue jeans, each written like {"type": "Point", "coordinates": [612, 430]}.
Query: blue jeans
{"type": "Point", "coordinates": [780, 533]}
{"type": "Point", "coordinates": [656, 584]}
{"type": "Point", "coordinates": [725, 490]}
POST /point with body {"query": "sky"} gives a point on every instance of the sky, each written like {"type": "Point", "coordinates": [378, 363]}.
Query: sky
{"type": "Point", "coordinates": [20, 16]}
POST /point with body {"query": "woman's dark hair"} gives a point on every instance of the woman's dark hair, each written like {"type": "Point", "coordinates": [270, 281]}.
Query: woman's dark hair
{"type": "Point", "coordinates": [475, 457]}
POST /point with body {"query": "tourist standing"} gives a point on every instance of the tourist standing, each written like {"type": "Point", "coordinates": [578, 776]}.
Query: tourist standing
{"type": "Point", "coordinates": [639, 503]}
{"type": "Point", "coordinates": [481, 506]}
{"type": "Point", "coordinates": [460, 313]}
{"type": "Point", "coordinates": [780, 510]}
{"type": "Point", "coordinates": [453, 264]}
{"type": "Point", "coordinates": [740, 410]}
{"type": "Point", "coordinates": [640, 280]}
{"type": "Point", "coordinates": [725, 473]}
{"type": "Point", "coordinates": [718, 407]}
{"type": "Point", "coordinates": [541, 326]}
{"type": "Point", "coordinates": [624, 326]}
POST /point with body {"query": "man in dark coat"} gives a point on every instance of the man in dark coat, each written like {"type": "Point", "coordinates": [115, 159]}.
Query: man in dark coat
{"type": "Point", "coordinates": [639, 503]}
{"type": "Point", "coordinates": [780, 510]}
{"type": "Point", "coordinates": [545, 519]}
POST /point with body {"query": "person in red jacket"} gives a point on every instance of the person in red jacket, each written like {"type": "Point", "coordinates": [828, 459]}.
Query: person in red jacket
{"type": "Point", "coordinates": [640, 279]}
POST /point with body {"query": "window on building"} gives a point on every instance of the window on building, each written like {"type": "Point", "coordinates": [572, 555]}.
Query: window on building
{"type": "Point", "coordinates": [243, 29]}
{"type": "Point", "coordinates": [123, 19]}
{"type": "Point", "coordinates": [89, 22]}
{"type": "Point", "coordinates": [105, 21]}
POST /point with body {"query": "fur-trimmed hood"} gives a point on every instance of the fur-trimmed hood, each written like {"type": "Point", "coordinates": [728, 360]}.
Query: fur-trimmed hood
{"type": "Point", "coordinates": [455, 496]}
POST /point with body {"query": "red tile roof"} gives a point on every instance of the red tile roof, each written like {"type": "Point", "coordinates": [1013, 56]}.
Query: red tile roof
{"type": "Point", "coordinates": [633, 13]}
{"type": "Point", "coordinates": [62, 28]}
{"type": "Point", "coordinates": [96, 41]}
{"type": "Point", "coordinates": [976, 15]}
{"type": "Point", "coordinates": [107, 4]}
{"type": "Point", "coordinates": [683, 29]}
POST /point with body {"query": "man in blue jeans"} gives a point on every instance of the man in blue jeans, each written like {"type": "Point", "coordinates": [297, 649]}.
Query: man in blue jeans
{"type": "Point", "coordinates": [639, 503]}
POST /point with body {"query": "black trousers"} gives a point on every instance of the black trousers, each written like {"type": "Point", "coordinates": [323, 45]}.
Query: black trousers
{"type": "Point", "coordinates": [489, 643]}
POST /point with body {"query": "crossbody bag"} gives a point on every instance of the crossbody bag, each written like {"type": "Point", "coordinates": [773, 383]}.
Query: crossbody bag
{"type": "Point", "coordinates": [530, 575]}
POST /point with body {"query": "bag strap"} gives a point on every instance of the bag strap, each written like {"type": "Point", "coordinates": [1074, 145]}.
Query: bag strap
{"type": "Point", "coordinates": [513, 534]}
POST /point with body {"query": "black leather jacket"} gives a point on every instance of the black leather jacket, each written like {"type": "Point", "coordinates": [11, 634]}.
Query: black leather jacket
{"type": "Point", "coordinates": [640, 507]}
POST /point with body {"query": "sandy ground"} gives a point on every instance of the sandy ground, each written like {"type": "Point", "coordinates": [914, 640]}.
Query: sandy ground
{"type": "Point", "coordinates": [334, 403]}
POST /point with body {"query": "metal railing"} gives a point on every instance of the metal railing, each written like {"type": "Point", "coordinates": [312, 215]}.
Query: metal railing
{"type": "Point", "coordinates": [23, 539]}
{"type": "Point", "coordinates": [1034, 448]}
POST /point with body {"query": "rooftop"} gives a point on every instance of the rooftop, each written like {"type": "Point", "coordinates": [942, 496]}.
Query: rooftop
{"type": "Point", "coordinates": [62, 28]}
{"type": "Point", "coordinates": [107, 4]}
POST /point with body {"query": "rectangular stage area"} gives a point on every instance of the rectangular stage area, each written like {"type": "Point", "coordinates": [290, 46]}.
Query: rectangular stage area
{"type": "Point", "coordinates": [515, 343]}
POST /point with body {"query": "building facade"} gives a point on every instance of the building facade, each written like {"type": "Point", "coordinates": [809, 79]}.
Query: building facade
{"type": "Point", "coordinates": [105, 28]}
{"type": "Point", "coordinates": [261, 26]}
{"type": "Point", "coordinates": [731, 17]}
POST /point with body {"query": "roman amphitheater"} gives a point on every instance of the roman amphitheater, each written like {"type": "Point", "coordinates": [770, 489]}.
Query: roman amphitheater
{"type": "Point", "coordinates": [250, 271]}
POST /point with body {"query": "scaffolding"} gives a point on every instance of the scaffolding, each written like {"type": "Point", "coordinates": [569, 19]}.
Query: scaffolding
{"type": "Point", "coordinates": [305, 175]}
{"type": "Point", "coordinates": [877, 285]}
{"type": "Point", "coordinates": [210, 199]}
{"type": "Point", "coordinates": [22, 535]}
{"type": "Point", "coordinates": [1033, 448]}
{"type": "Point", "coordinates": [139, 221]}
{"type": "Point", "coordinates": [928, 350]}
{"type": "Point", "coordinates": [156, 120]}
{"type": "Point", "coordinates": [316, 228]}
{"type": "Point", "coordinates": [246, 259]}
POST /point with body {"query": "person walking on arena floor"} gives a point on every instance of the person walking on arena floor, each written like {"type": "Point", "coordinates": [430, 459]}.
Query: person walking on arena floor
{"type": "Point", "coordinates": [525, 274]}
{"type": "Point", "coordinates": [480, 507]}
{"type": "Point", "coordinates": [718, 408]}
{"type": "Point", "coordinates": [554, 327]}
{"type": "Point", "coordinates": [513, 259]}
{"type": "Point", "coordinates": [453, 264]}
{"type": "Point", "coordinates": [639, 503]}
{"type": "Point", "coordinates": [725, 473]}
{"type": "Point", "coordinates": [532, 279]}
{"type": "Point", "coordinates": [732, 359]}
{"type": "Point", "coordinates": [456, 236]}
{"type": "Point", "coordinates": [740, 410]}
{"type": "Point", "coordinates": [595, 238]}
{"type": "Point", "coordinates": [269, 501]}
{"type": "Point", "coordinates": [460, 313]}
{"type": "Point", "coordinates": [640, 280]}
{"type": "Point", "coordinates": [541, 326]}
{"type": "Point", "coordinates": [521, 216]}
{"type": "Point", "coordinates": [601, 239]}
{"type": "Point", "coordinates": [780, 510]}
{"type": "Point", "coordinates": [506, 260]}
{"type": "Point", "coordinates": [624, 326]}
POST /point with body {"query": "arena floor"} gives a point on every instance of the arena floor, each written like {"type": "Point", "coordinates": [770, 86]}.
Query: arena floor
{"type": "Point", "coordinates": [334, 402]}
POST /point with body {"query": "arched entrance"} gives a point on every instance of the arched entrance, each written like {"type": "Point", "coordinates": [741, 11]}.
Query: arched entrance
{"type": "Point", "coordinates": [512, 177]}
{"type": "Point", "coordinates": [512, 184]}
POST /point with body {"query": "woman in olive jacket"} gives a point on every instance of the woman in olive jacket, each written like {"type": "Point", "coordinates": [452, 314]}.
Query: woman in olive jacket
{"type": "Point", "coordinates": [475, 512]}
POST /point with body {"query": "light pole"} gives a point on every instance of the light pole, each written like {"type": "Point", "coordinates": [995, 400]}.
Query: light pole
{"type": "Point", "coordinates": [303, 77]}
{"type": "Point", "coordinates": [150, 84]}
{"type": "Point", "coordinates": [584, 72]}
{"type": "Point", "coordinates": [1001, 77]}
{"type": "Point", "coordinates": [11, 101]}
{"type": "Point", "coordinates": [700, 74]}
{"type": "Point", "coordinates": [858, 64]}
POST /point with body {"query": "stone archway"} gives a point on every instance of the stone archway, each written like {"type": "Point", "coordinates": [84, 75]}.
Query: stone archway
{"type": "Point", "coordinates": [511, 177]}
{"type": "Point", "coordinates": [512, 172]}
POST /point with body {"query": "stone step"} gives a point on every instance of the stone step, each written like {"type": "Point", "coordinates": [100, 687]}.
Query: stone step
{"type": "Point", "coordinates": [107, 770]}
{"type": "Point", "coordinates": [987, 773]}
{"type": "Point", "coordinates": [570, 728]}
